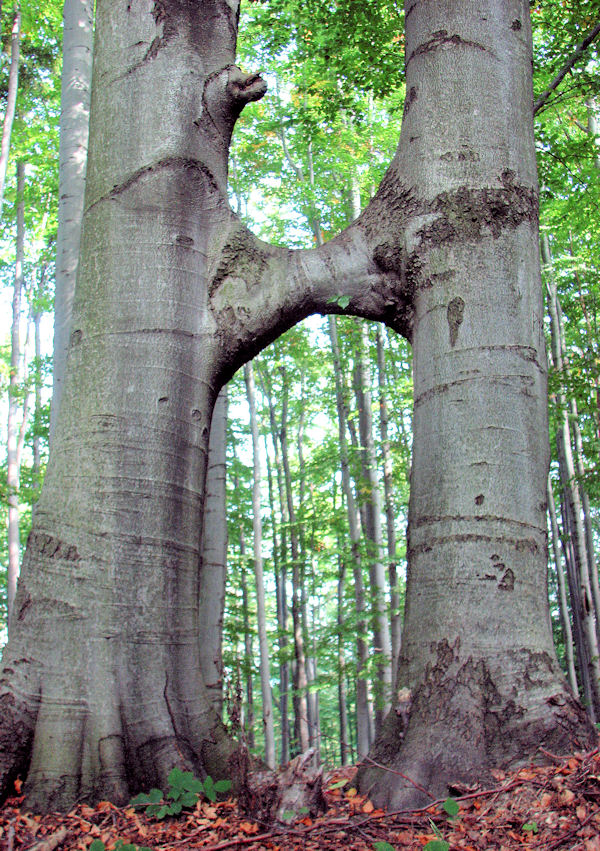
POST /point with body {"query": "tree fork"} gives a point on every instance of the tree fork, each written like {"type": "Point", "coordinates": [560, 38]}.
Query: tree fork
{"type": "Point", "coordinates": [104, 655]}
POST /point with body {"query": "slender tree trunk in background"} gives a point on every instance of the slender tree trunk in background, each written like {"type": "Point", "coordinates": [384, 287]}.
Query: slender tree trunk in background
{"type": "Point", "coordinates": [300, 680]}
{"type": "Point", "coordinates": [563, 605]}
{"type": "Point", "coordinates": [594, 126]}
{"type": "Point", "coordinates": [76, 84]}
{"type": "Point", "coordinates": [280, 576]}
{"type": "Point", "coordinates": [373, 531]}
{"type": "Point", "coordinates": [281, 620]}
{"type": "Point", "coordinates": [312, 703]}
{"type": "Point", "coordinates": [572, 495]}
{"type": "Point", "coordinates": [582, 653]}
{"type": "Point", "coordinates": [11, 100]}
{"type": "Point", "coordinates": [37, 455]}
{"type": "Point", "coordinates": [213, 573]}
{"type": "Point", "coordinates": [341, 671]}
{"type": "Point", "coordinates": [363, 713]}
{"type": "Point", "coordinates": [390, 513]}
{"type": "Point", "coordinates": [261, 617]}
{"type": "Point", "coordinates": [248, 721]}
{"type": "Point", "coordinates": [13, 462]}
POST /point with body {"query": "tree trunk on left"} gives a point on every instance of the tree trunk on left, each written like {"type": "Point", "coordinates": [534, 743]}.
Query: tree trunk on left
{"type": "Point", "coordinates": [76, 84]}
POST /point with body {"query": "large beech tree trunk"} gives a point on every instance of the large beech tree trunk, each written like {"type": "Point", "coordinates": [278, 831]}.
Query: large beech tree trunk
{"type": "Point", "coordinates": [101, 691]}
{"type": "Point", "coordinates": [477, 527]}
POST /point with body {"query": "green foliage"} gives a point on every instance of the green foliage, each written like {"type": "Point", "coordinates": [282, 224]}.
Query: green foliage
{"type": "Point", "coordinates": [98, 845]}
{"type": "Point", "coordinates": [451, 808]}
{"type": "Point", "coordinates": [531, 827]}
{"type": "Point", "coordinates": [383, 846]}
{"type": "Point", "coordinates": [439, 843]}
{"type": "Point", "coordinates": [183, 793]}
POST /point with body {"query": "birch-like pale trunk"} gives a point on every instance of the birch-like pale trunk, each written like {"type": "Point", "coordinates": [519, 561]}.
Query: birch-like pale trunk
{"type": "Point", "coordinates": [300, 679]}
{"type": "Point", "coordinates": [261, 617]}
{"type": "Point", "coordinates": [213, 573]}
{"type": "Point", "coordinates": [76, 84]}
{"type": "Point", "coordinates": [13, 460]}
{"type": "Point", "coordinates": [341, 667]}
{"type": "Point", "coordinates": [280, 558]}
{"type": "Point", "coordinates": [572, 495]}
{"type": "Point", "coordinates": [173, 295]}
{"type": "Point", "coordinates": [11, 99]}
{"type": "Point", "coordinates": [390, 514]}
{"type": "Point", "coordinates": [372, 511]}
{"type": "Point", "coordinates": [364, 722]}
{"type": "Point", "coordinates": [248, 716]}
{"type": "Point", "coordinates": [563, 606]}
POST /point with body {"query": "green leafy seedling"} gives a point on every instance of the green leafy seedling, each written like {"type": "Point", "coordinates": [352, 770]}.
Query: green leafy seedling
{"type": "Point", "coordinates": [383, 846]}
{"type": "Point", "coordinates": [531, 827]}
{"type": "Point", "coordinates": [451, 808]}
{"type": "Point", "coordinates": [341, 300]}
{"type": "Point", "coordinates": [212, 789]}
{"type": "Point", "coordinates": [184, 791]}
{"type": "Point", "coordinates": [438, 844]}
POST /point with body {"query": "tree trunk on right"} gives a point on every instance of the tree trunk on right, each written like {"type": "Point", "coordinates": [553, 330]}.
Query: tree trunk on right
{"type": "Point", "coordinates": [486, 686]}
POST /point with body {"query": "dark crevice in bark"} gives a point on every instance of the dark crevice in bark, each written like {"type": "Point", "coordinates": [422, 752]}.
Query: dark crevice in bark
{"type": "Point", "coordinates": [442, 39]}
{"type": "Point", "coordinates": [519, 544]}
{"type": "Point", "coordinates": [195, 167]}
{"type": "Point", "coordinates": [426, 520]}
{"type": "Point", "coordinates": [525, 380]}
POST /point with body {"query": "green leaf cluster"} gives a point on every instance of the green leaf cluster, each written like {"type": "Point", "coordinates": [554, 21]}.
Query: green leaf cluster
{"type": "Point", "coordinates": [183, 793]}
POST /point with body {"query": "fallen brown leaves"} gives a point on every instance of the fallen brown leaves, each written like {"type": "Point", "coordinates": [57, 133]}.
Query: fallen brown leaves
{"type": "Point", "coordinates": [549, 807]}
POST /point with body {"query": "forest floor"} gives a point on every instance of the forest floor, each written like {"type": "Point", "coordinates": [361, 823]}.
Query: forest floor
{"type": "Point", "coordinates": [555, 806]}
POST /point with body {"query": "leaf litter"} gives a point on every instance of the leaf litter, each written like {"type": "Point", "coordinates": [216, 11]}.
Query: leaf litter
{"type": "Point", "coordinates": [543, 807]}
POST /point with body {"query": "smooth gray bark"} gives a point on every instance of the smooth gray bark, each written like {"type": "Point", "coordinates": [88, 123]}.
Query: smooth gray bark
{"type": "Point", "coordinates": [280, 556]}
{"type": "Point", "coordinates": [364, 733]}
{"type": "Point", "coordinates": [213, 573]}
{"type": "Point", "coordinates": [372, 511]}
{"type": "Point", "coordinates": [11, 100]}
{"type": "Point", "coordinates": [13, 459]}
{"type": "Point", "coordinates": [390, 514]}
{"type": "Point", "coordinates": [261, 618]}
{"type": "Point", "coordinates": [562, 592]}
{"type": "Point", "coordinates": [173, 295]}
{"type": "Point", "coordinates": [584, 562]}
{"type": "Point", "coordinates": [341, 672]}
{"type": "Point", "coordinates": [300, 679]}
{"type": "Point", "coordinates": [477, 526]}
{"type": "Point", "coordinates": [76, 84]}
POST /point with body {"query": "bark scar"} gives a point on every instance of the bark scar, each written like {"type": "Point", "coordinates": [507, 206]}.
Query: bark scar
{"type": "Point", "coordinates": [454, 314]}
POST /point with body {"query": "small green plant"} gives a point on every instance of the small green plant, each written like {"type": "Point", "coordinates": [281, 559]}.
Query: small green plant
{"type": "Point", "coordinates": [530, 827]}
{"type": "Point", "coordinates": [342, 300]}
{"type": "Point", "coordinates": [288, 815]}
{"type": "Point", "coordinates": [438, 844]}
{"type": "Point", "coordinates": [98, 845]}
{"type": "Point", "coordinates": [383, 846]}
{"type": "Point", "coordinates": [184, 792]}
{"type": "Point", "coordinates": [451, 808]}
